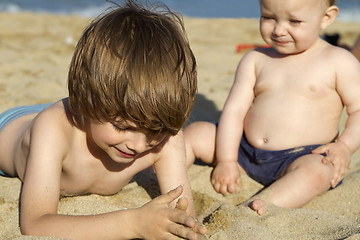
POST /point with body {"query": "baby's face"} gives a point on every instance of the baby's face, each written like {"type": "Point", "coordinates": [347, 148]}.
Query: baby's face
{"type": "Point", "coordinates": [123, 141]}
{"type": "Point", "coordinates": [291, 26]}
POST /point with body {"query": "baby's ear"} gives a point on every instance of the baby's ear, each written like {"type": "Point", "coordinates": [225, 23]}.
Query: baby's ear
{"type": "Point", "coordinates": [329, 16]}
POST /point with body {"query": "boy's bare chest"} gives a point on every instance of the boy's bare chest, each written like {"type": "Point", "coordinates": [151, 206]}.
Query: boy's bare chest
{"type": "Point", "coordinates": [90, 175]}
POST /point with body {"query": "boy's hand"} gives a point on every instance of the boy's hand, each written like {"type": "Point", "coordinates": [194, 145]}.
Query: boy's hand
{"type": "Point", "coordinates": [158, 221]}
{"type": "Point", "coordinates": [337, 154]}
{"type": "Point", "coordinates": [226, 177]}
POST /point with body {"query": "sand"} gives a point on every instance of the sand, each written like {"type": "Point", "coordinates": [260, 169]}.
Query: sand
{"type": "Point", "coordinates": [35, 51]}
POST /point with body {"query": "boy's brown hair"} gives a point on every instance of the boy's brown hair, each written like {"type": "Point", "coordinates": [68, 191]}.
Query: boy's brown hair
{"type": "Point", "coordinates": [136, 65]}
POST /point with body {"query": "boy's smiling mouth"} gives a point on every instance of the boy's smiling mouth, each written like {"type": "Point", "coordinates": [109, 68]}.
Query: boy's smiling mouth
{"type": "Point", "coordinates": [124, 154]}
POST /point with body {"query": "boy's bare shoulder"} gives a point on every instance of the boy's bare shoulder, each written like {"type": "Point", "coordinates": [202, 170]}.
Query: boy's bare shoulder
{"type": "Point", "coordinates": [54, 113]}
{"type": "Point", "coordinates": [54, 121]}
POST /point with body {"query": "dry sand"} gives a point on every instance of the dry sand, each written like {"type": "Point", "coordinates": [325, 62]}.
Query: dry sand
{"type": "Point", "coordinates": [35, 51]}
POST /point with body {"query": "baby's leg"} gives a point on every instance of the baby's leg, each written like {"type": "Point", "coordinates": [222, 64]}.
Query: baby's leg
{"type": "Point", "coordinates": [200, 142]}
{"type": "Point", "coordinates": [303, 180]}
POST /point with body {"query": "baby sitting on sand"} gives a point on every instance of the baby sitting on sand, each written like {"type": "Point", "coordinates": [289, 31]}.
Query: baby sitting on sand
{"type": "Point", "coordinates": [280, 122]}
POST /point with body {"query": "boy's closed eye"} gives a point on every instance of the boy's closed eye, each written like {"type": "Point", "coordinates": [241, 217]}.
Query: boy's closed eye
{"type": "Point", "coordinates": [119, 128]}
{"type": "Point", "coordinates": [124, 126]}
{"type": "Point", "coordinates": [152, 141]}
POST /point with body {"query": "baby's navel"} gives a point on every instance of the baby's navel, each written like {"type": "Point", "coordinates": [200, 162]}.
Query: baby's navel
{"type": "Point", "coordinates": [265, 140]}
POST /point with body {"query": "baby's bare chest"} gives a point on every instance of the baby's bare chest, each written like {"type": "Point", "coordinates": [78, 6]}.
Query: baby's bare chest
{"type": "Point", "coordinates": [289, 79]}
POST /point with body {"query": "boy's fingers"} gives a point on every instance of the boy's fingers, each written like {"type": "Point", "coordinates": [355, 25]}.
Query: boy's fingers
{"type": "Point", "coordinates": [187, 227]}
{"type": "Point", "coordinates": [195, 226]}
{"type": "Point", "coordinates": [200, 229]}
{"type": "Point", "coordinates": [183, 232]}
{"type": "Point", "coordinates": [182, 204]}
{"type": "Point", "coordinates": [180, 217]}
{"type": "Point", "coordinates": [170, 196]}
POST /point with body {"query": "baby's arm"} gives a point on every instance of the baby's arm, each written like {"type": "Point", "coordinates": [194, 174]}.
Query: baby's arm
{"type": "Point", "coordinates": [348, 87]}
{"type": "Point", "coordinates": [40, 197]}
{"type": "Point", "coordinates": [226, 174]}
{"type": "Point", "coordinates": [171, 171]}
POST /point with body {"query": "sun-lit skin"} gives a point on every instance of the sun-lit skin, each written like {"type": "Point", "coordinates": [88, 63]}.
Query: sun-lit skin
{"type": "Point", "coordinates": [123, 141]}
{"type": "Point", "coordinates": [129, 96]}
{"type": "Point", "coordinates": [289, 95]}
{"type": "Point", "coordinates": [48, 152]}
{"type": "Point", "coordinates": [291, 27]}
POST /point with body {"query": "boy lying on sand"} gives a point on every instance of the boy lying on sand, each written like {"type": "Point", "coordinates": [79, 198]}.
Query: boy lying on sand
{"type": "Point", "coordinates": [132, 84]}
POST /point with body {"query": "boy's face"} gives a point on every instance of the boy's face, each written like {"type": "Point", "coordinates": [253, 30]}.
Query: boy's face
{"type": "Point", "coordinates": [291, 26]}
{"type": "Point", "coordinates": [123, 142]}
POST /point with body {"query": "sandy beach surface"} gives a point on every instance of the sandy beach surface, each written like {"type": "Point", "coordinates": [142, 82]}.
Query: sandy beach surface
{"type": "Point", "coordinates": [35, 52]}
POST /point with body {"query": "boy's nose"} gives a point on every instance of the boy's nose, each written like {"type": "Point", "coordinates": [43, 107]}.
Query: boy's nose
{"type": "Point", "coordinates": [138, 143]}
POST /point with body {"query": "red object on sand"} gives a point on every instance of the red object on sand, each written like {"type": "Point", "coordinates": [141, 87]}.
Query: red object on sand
{"type": "Point", "coordinates": [246, 47]}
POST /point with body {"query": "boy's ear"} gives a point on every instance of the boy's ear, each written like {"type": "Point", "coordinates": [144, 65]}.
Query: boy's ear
{"type": "Point", "coordinates": [329, 16]}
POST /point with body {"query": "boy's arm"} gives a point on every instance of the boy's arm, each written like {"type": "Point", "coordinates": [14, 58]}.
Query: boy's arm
{"type": "Point", "coordinates": [226, 174]}
{"type": "Point", "coordinates": [348, 87]}
{"type": "Point", "coordinates": [40, 197]}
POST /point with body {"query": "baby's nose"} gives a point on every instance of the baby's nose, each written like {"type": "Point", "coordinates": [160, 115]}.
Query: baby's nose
{"type": "Point", "coordinates": [279, 30]}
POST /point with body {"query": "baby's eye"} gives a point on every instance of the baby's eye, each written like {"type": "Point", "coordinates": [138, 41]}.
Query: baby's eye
{"type": "Point", "coordinates": [295, 22]}
{"type": "Point", "coordinates": [266, 18]}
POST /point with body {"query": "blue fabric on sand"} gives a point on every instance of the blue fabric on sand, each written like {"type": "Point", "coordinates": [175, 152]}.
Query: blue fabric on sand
{"type": "Point", "coordinates": [16, 112]}
{"type": "Point", "coordinates": [2, 174]}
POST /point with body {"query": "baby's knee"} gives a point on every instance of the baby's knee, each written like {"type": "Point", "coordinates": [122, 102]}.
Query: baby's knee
{"type": "Point", "coordinates": [200, 131]}
{"type": "Point", "coordinates": [320, 174]}
{"type": "Point", "coordinates": [200, 141]}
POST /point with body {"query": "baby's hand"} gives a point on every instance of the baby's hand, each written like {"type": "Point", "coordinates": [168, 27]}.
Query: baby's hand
{"type": "Point", "coordinates": [158, 221]}
{"type": "Point", "coordinates": [337, 154]}
{"type": "Point", "coordinates": [226, 177]}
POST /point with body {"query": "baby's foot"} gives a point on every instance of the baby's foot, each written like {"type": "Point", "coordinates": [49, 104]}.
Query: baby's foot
{"type": "Point", "coordinates": [259, 206]}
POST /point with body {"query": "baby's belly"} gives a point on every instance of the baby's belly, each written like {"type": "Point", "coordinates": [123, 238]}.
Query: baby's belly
{"type": "Point", "coordinates": [274, 131]}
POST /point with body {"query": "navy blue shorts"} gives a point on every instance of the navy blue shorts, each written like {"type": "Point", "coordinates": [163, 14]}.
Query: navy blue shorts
{"type": "Point", "coordinates": [264, 166]}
